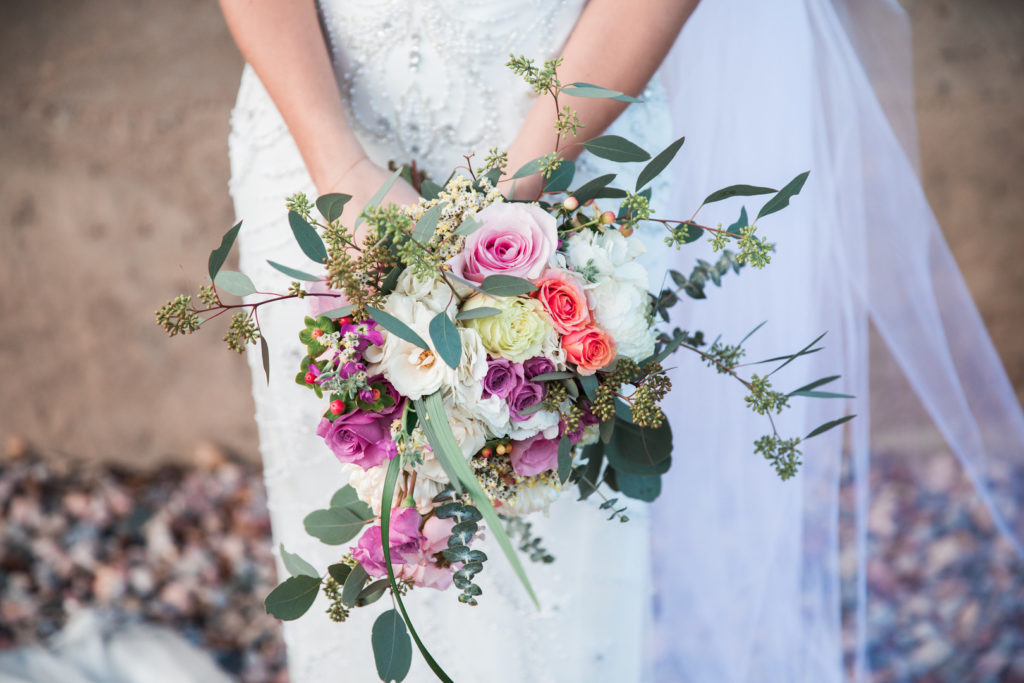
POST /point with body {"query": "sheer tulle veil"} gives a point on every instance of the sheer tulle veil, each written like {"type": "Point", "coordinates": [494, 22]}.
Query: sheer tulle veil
{"type": "Point", "coordinates": [747, 568]}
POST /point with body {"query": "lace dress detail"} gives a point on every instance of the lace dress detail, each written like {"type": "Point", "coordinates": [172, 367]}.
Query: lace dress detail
{"type": "Point", "coordinates": [427, 81]}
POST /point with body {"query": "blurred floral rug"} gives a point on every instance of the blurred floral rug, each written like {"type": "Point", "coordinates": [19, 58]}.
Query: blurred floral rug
{"type": "Point", "coordinates": [190, 548]}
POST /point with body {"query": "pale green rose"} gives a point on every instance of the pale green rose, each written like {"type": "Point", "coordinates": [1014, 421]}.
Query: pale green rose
{"type": "Point", "coordinates": [517, 333]}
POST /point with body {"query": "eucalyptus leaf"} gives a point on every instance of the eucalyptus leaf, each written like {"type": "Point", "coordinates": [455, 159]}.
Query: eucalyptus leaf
{"type": "Point", "coordinates": [446, 339]}
{"type": "Point", "coordinates": [297, 566]}
{"type": "Point", "coordinates": [506, 285]}
{"type": "Point", "coordinates": [372, 594]}
{"type": "Point", "coordinates": [265, 356]}
{"type": "Point", "coordinates": [736, 191]}
{"type": "Point", "coordinates": [331, 205]}
{"type": "Point", "coordinates": [378, 196]}
{"type": "Point", "coordinates": [339, 572]}
{"type": "Point", "coordinates": [564, 458]}
{"type": "Point", "coordinates": [588, 90]}
{"type": "Point", "coordinates": [561, 178]}
{"type": "Point", "coordinates": [294, 272]}
{"type": "Point", "coordinates": [391, 279]}
{"type": "Point", "coordinates": [233, 282]}
{"type": "Point", "coordinates": [589, 383]}
{"type": "Point", "coordinates": [821, 394]}
{"type": "Point", "coordinates": [639, 450]}
{"type": "Point", "coordinates": [427, 223]}
{"type": "Point", "coordinates": [659, 163]}
{"type": "Point", "coordinates": [344, 497]}
{"type": "Point", "coordinates": [392, 649]}
{"type": "Point", "coordinates": [396, 327]}
{"type": "Point", "coordinates": [616, 148]}
{"type": "Point", "coordinates": [219, 255]}
{"type": "Point", "coordinates": [594, 457]}
{"type": "Point", "coordinates": [341, 312]}
{"type": "Point", "coordinates": [740, 223]}
{"type": "Point", "coordinates": [816, 383]}
{"type": "Point", "coordinates": [479, 312]}
{"type": "Point", "coordinates": [353, 585]}
{"type": "Point", "coordinates": [557, 374]}
{"type": "Point", "coordinates": [640, 488]}
{"type": "Point", "coordinates": [781, 199]}
{"type": "Point", "coordinates": [334, 526]}
{"type": "Point", "coordinates": [292, 598]}
{"type": "Point", "coordinates": [468, 226]}
{"type": "Point", "coordinates": [430, 190]}
{"type": "Point", "coordinates": [529, 168]}
{"type": "Point", "coordinates": [588, 190]}
{"type": "Point", "coordinates": [309, 241]}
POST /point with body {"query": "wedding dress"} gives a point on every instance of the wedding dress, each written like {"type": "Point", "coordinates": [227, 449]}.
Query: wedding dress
{"type": "Point", "coordinates": [426, 81]}
{"type": "Point", "coordinates": [731, 575]}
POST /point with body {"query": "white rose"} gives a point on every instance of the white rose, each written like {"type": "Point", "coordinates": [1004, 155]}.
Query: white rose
{"type": "Point", "coordinates": [542, 421]}
{"type": "Point", "coordinates": [435, 294]}
{"type": "Point", "coordinates": [414, 372]}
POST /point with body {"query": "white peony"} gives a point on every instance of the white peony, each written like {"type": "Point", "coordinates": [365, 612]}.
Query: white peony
{"type": "Point", "coordinates": [606, 254]}
{"type": "Point", "coordinates": [542, 421]}
{"type": "Point", "coordinates": [414, 372]}
{"type": "Point", "coordinates": [623, 310]}
{"type": "Point", "coordinates": [369, 486]}
{"type": "Point", "coordinates": [435, 294]}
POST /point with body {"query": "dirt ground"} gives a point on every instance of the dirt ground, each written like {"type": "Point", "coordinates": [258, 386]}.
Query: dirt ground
{"type": "Point", "coordinates": [113, 173]}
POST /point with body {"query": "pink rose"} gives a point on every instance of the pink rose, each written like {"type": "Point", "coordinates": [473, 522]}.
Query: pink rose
{"type": "Point", "coordinates": [590, 349]}
{"type": "Point", "coordinates": [405, 539]}
{"type": "Point", "coordinates": [515, 239]}
{"type": "Point", "coordinates": [422, 568]}
{"type": "Point", "coordinates": [534, 455]}
{"type": "Point", "coordinates": [563, 298]}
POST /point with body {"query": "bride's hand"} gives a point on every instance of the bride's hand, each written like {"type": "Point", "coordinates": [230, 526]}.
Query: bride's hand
{"type": "Point", "coordinates": [362, 181]}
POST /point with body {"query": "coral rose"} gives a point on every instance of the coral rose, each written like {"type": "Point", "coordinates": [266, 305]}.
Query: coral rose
{"type": "Point", "coordinates": [590, 349]}
{"type": "Point", "coordinates": [561, 293]}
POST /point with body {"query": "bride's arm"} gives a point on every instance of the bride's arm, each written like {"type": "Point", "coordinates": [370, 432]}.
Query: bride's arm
{"type": "Point", "coordinates": [615, 44]}
{"type": "Point", "coordinates": [282, 41]}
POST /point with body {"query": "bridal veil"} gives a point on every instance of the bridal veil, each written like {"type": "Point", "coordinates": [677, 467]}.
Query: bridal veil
{"type": "Point", "coordinates": [751, 572]}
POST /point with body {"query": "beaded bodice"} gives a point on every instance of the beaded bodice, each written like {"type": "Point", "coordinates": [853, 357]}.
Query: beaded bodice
{"type": "Point", "coordinates": [427, 80]}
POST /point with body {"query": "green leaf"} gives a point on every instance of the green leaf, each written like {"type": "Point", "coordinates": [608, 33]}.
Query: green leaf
{"type": "Point", "coordinates": [219, 255]}
{"type": "Point", "coordinates": [638, 450]}
{"type": "Point", "coordinates": [265, 355]}
{"type": "Point", "coordinates": [468, 226]}
{"type": "Point", "coordinates": [334, 526]}
{"type": "Point", "coordinates": [233, 282]}
{"type": "Point", "coordinates": [297, 566]}
{"type": "Point", "coordinates": [446, 339]}
{"type": "Point", "coordinates": [588, 190]}
{"type": "Point", "coordinates": [339, 572]}
{"type": "Point", "coordinates": [558, 374]}
{"type": "Point", "coordinates": [392, 649]}
{"type": "Point", "coordinates": [740, 223]}
{"type": "Point", "coordinates": [344, 497]}
{"type": "Point", "coordinates": [693, 233]}
{"type": "Point", "coordinates": [594, 455]}
{"type": "Point", "coordinates": [430, 190]}
{"type": "Point", "coordinates": [480, 312]}
{"type": "Point", "coordinates": [354, 584]}
{"type": "Point", "coordinates": [750, 334]}
{"type": "Point", "coordinates": [736, 191]}
{"type": "Point", "coordinates": [306, 235]}
{"type": "Point", "coordinates": [561, 178]}
{"type": "Point", "coordinates": [615, 148]}
{"type": "Point", "coordinates": [590, 384]}
{"type": "Point", "coordinates": [829, 425]}
{"type": "Point", "coordinates": [446, 448]}
{"type": "Point", "coordinates": [391, 279]}
{"type": "Point", "coordinates": [388, 494]}
{"type": "Point", "coordinates": [821, 394]}
{"type": "Point", "coordinates": [341, 312]}
{"type": "Point", "coordinates": [781, 199]}
{"type": "Point", "coordinates": [396, 327]}
{"type": "Point", "coordinates": [372, 594]}
{"type": "Point", "coordinates": [581, 89]}
{"type": "Point", "coordinates": [331, 205]}
{"type": "Point", "coordinates": [658, 164]}
{"type": "Point", "coordinates": [378, 196]}
{"type": "Point", "coordinates": [802, 352]}
{"type": "Point", "coordinates": [292, 598]}
{"type": "Point", "coordinates": [640, 488]}
{"type": "Point", "coordinates": [529, 168]}
{"type": "Point", "coordinates": [427, 223]}
{"type": "Point", "coordinates": [564, 458]}
{"type": "Point", "coordinates": [506, 285]}
{"type": "Point", "coordinates": [294, 272]}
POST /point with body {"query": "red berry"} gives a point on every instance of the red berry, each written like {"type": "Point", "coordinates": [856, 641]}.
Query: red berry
{"type": "Point", "coordinates": [487, 452]}
{"type": "Point", "coordinates": [376, 394]}
{"type": "Point", "coordinates": [345, 321]}
{"type": "Point", "coordinates": [607, 217]}
{"type": "Point", "coordinates": [317, 333]}
{"type": "Point", "coordinates": [337, 407]}
{"type": "Point", "coordinates": [626, 230]}
{"type": "Point", "coordinates": [310, 378]}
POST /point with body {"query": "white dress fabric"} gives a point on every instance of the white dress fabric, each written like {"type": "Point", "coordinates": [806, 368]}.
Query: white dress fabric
{"type": "Point", "coordinates": [426, 81]}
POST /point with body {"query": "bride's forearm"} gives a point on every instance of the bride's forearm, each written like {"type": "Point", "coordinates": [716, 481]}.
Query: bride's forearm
{"type": "Point", "coordinates": [615, 44]}
{"type": "Point", "coordinates": [282, 41]}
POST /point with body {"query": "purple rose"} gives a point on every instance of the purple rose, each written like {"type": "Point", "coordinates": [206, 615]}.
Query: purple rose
{"type": "Point", "coordinates": [502, 377]}
{"type": "Point", "coordinates": [538, 365]}
{"type": "Point", "coordinates": [362, 437]}
{"type": "Point", "coordinates": [404, 540]}
{"type": "Point", "coordinates": [522, 397]}
{"type": "Point", "coordinates": [534, 455]}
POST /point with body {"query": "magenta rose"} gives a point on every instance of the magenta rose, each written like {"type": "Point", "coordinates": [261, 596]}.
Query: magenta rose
{"type": "Point", "coordinates": [362, 437]}
{"type": "Point", "coordinates": [538, 365]}
{"type": "Point", "coordinates": [502, 377]}
{"type": "Point", "coordinates": [534, 455]}
{"type": "Point", "coordinates": [405, 539]}
{"type": "Point", "coordinates": [515, 239]}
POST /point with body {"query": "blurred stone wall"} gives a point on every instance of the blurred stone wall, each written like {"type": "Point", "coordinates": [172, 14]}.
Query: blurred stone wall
{"type": "Point", "coordinates": [113, 173]}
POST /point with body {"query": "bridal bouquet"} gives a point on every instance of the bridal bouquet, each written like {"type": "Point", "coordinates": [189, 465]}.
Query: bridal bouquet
{"type": "Point", "coordinates": [478, 357]}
